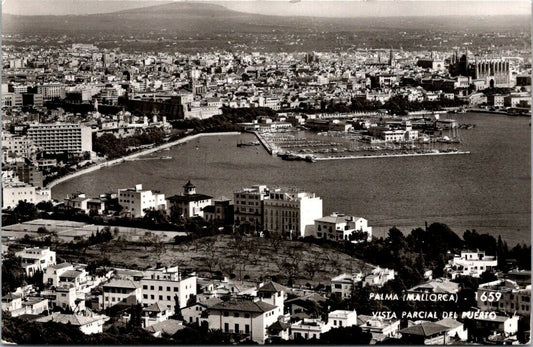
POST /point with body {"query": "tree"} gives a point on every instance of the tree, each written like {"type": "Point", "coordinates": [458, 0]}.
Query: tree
{"type": "Point", "coordinates": [25, 211]}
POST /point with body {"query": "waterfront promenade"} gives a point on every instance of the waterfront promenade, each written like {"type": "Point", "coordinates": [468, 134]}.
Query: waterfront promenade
{"type": "Point", "coordinates": [133, 156]}
{"type": "Point", "coordinates": [388, 155]}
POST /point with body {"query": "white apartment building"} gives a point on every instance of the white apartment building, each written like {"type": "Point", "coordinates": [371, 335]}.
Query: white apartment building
{"type": "Point", "coordinates": [505, 296]}
{"type": "Point", "coordinates": [344, 284]}
{"type": "Point", "coordinates": [14, 146]}
{"type": "Point", "coordinates": [51, 91]}
{"type": "Point", "coordinates": [243, 316]}
{"type": "Point", "coordinates": [162, 285]}
{"type": "Point", "coordinates": [338, 227]}
{"type": "Point", "coordinates": [309, 329]}
{"type": "Point", "coordinates": [36, 258]}
{"type": "Point", "coordinates": [14, 191]}
{"type": "Point", "coordinates": [52, 273]}
{"type": "Point", "coordinates": [121, 291]}
{"type": "Point", "coordinates": [470, 263]}
{"type": "Point", "coordinates": [380, 328]}
{"type": "Point", "coordinates": [61, 137]}
{"type": "Point", "coordinates": [378, 277]}
{"type": "Point", "coordinates": [248, 205]}
{"type": "Point", "coordinates": [290, 212]}
{"type": "Point", "coordinates": [136, 200]}
{"type": "Point", "coordinates": [342, 318]}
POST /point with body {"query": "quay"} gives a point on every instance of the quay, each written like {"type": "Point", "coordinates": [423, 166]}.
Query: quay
{"type": "Point", "coordinates": [388, 155]}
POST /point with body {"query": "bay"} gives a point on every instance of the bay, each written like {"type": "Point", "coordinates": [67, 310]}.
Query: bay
{"type": "Point", "coordinates": [488, 190]}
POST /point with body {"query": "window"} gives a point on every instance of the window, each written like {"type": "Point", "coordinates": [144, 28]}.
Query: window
{"type": "Point", "coordinates": [168, 289]}
{"type": "Point", "coordinates": [161, 288]}
{"type": "Point", "coordinates": [145, 286]}
{"type": "Point", "coordinates": [236, 315]}
{"type": "Point", "coordinates": [145, 296]}
{"type": "Point", "coordinates": [236, 328]}
{"type": "Point", "coordinates": [160, 297]}
{"type": "Point", "coordinates": [176, 289]}
{"type": "Point", "coordinates": [226, 314]}
{"type": "Point", "coordinates": [151, 287]}
{"type": "Point", "coordinates": [226, 327]}
{"type": "Point", "coordinates": [246, 315]}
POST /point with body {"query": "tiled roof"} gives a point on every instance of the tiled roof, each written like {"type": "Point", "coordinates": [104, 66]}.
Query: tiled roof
{"type": "Point", "coordinates": [122, 284]}
{"type": "Point", "coordinates": [188, 198]}
{"type": "Point", "coordinates": [271, 287]}
{"type": "Point", "coordinates": [154, 308]}
{"type": "Point", "coordinates": [424, 329]}
{"type": "Point", "coordinates": [71, 274]}
{"type": "Point", "coordinates": [244, 306]}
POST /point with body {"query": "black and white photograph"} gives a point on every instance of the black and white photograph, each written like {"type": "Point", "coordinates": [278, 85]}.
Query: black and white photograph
{"type": "Point", "coordinates": [266, 172]}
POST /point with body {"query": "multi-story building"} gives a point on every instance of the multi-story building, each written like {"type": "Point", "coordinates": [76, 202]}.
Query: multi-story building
{"type": "Point", "coordinates": [14, 146]}
{"type": "Point", "coordinates": [36, 258]}
{"type": "Point", "coordinates": [136, 200]}
{"type": "Point", "coordinates": [51, 91]}
{"type": "Point", "coordinates": [121, 291]}
{"type": "Point", "coordinates": [504, 296]}
{"type": "Point", "coordinates": [342, 318]}
{"type": "Point", "coordinates": [380, 328]}
{"type": "Point", "coordinates": [61, 137]}
{"type": "Point", "coordinates": [243, 316]}
{"type": "Point", "coordinates": [378, 277]}
{"type": "Point", "coordinates": [15, 191]}
{"type": "Point", "coordinates": [52, 273]}
{"type": "Point", "coordinates": [290, 212]}
{"type": "Point", "coordinates": [221, 211]}
{"type": "Point", "coordinates": [167, 287]}
{"type": "Point", "coordinates": [29, 174]}
{"type": "Point", "coordinates": [470, 263]}
{"type": "Point", "coordinates": [338, 227]}
{"type": "Point", "coordinates": [248, 206]}
{"type": "Point", "coordinates": [344, 284]}
{"type": "Point", "coordinates": [189, 204]}
{"type": "Point", "coordinates": [309, 328]}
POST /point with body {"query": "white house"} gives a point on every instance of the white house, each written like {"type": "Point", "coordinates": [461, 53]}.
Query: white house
{"type": "Point", "coordinates": [338, 227]}
{"type": "Point", "coordinates": [378, 277]}
{"type": "Point", "coordinates": [121, 291]}
{"type": "Point", "coordinates": [189, 204]}
{"type": "Point", "coordinates": [88, 323]}
{"type": "Point", "coordinates": [36, 258]}
{"type": "Point", "coordinates": [51, 273]}
{"type": "Point", "coordinates": [344, 284]}
{"type": "Point", "coordinates": [163, 285]}
{"type": "Point", "coordinates": [243, 316]}
{"type": "Point", "coordinates": [342, 318]}
{"type": "Point", "coordinates": [309, 328]}
{"type": "Point", "coordinates": [470, 263]}
{"type": "Point", "coordinates": [136, 200]}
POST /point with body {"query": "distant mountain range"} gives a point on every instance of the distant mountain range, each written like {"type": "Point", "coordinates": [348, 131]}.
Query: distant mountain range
{"type": "Point", "coordinates": [204, 17]}
{"type": "Point", "coordinates": [190, 21]}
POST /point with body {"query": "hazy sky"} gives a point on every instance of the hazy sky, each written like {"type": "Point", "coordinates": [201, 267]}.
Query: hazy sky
{"type": "Point", "coordinates": [317, 8]}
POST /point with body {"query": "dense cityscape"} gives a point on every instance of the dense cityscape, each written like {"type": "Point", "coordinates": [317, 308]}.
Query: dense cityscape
{"type": "Point", "coordinates": [267, 264]}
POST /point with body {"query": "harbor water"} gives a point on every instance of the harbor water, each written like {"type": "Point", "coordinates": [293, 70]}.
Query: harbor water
{"type": "Point", "coordinates": [488, 190]}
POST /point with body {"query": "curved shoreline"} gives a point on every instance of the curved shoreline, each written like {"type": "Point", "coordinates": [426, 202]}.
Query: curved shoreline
{"type": "Point", "coordinates": [132, 156]}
